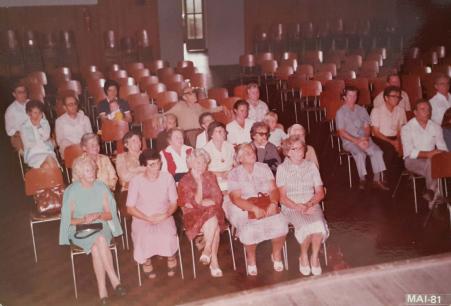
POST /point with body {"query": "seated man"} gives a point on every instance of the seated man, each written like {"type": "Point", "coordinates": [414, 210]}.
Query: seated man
{"type": "Point", "coordinates": [257, 108]}
{"type": "Point", "coordinates": [421, 139]}
{"type": "Point", "coordinates": [386, 122]}
{"type": "Point", "coordinates": [239, 129]}
{"type": "Point", "coordinates": [353, 126]}
{"type": "Point", "coordinates": [15, 115]}
{"type": "Point", "coordinates": [442, 99]}
{"type": "Point", "coordinates": [113, 107]}
{"type": "Point", "coordinates": [204, 121]}
{"type": "Point", "coordinates": [393, 80]}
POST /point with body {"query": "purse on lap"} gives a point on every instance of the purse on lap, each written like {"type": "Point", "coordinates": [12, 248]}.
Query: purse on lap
{"type": "Point", "coordinates": [83, 231]}
{"type": "Point", "coordinates": [262, 201]}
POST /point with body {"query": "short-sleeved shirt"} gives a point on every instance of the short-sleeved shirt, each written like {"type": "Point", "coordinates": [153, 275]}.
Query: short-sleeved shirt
{"type": "Point", "coordinates": [104, 106]}
{"type": "Point", "coordinates": [388, 122]}
{"type": "Point", "coordinates": [276, 136]}
{"type": "Point", "coordinates": [258, 112]}
{"type": "Point", "coordinates": [250, 184]}
{"type": "Point", "coordinates": [220, 160]}
{"type": "Point", "coordinates": [439, 104]}
{"type": "Point", "coordinates": [404, 103]}
{"type": "Point", "coordinates": [299, 181]}
{"type": "Point", "coordinates": [15, 116]}
{"type": "Point", "coordinates": [238, 135]}
{"type": "Point", "coordinates": [352, 121]}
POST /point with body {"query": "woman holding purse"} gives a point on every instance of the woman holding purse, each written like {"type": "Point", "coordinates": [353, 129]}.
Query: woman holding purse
{"type": "Point", "coordinates": [89, 201]}
{"type": "Point", "coordinates": [254, 223]}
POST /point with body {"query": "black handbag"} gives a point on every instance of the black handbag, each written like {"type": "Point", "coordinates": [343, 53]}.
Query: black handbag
{"type": "Point", "coordinates": [83, 231]}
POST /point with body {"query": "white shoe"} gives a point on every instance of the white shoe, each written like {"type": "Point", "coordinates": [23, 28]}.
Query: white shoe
{"type": "Point", "coordinates": [205, 259]}
{"type": "Point", "coordinates": [277, 264]}
{"type": "Point", "coordinates": [305, 270]}
{"type": "Point", "coordinates": [215, 272]}
{"type": "Point", "coordinates": [316, 270]}
{"type": "Point", "coordinates": [252, 270]}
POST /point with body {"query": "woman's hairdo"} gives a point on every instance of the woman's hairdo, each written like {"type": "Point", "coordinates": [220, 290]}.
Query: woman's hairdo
{"type": "Point", "coordinates": [195, 154]}
{"type": "Point", "coordinates": [211, 128]}
{"type": "Point", "coordinates": [172, 131]}
{"type": "Point", "coordinates": [108, 84]}
{"type": "Point", "coordinates": [129, 135]}
{"type": "Point", "coordinates": [87, 137]}
{"type": "Point", "coordinates": [239, 103]}
{"type": "Point", "coordinates": [288, 143]}
{"type": "Point", "coordinates": [34, 104]}
{"type": "Point", "coordinates": [80, 163]}
{"type": "Point", "coordinates": [256, 126]}
{"type": "Point", "coordinates": [295, 127]}
{"type": "Point", "coordinates": [148, 154]}
{"type": "Point", "coordinates": [240, 151]}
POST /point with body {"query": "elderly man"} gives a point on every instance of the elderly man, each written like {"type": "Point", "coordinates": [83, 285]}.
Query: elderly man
{"type": "Point", "coordinates": [393, 80]}
{"type": "Point", "coordinates": [442, 99]}
{"type": "Point", "coordinates": [353, 126]}
{"type": "Point", "coordinates": [421, 139]}
{"type": "Point", "coordinates": [386, 122]}
{"type": "Point", "coordinates": [16, 115]}
{"type": "Point", "coordinates": [257, 108]}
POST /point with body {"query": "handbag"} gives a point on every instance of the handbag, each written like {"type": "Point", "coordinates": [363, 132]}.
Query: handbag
{"type": "Point", "coordinates": [83, 231]}
{"type": "Point", "coordinates": [49, 201]}
{"type": "Point", "coordinates": [262, 201]}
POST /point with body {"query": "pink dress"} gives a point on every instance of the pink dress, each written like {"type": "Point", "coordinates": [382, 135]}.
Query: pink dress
{"type": "Point", "coordinates": [152, 197]}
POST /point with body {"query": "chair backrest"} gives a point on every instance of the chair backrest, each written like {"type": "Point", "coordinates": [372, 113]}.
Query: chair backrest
{"type": "Point", "coordinates": [311, 88]}
{"type": "Point", "coordinates": [134, 66]}
{"type": "Point", "coordinates": [412, 85]}
{"type": "Point", "coordinates": [162, 73]}
{"type": "Point", "coordinates": [139, 74]}
{"type": "Point", "coordinates": [191, 135]}
{"type": "Point", "coordinates": [198, 80]}
{"type": "Point", "coordinates": [247, 60]}
{"type": "Point", "coordinates": [377, 86]}
{"type": "Point", "coordinates": [71, 153]}
{"type": "Point", "coordinates": [229, 102]}
{"type": "Point", "coordinates": [218, 93]}
{"type": "Point", "coordinates": [136, 100]}
{"type": "Point", "coordinates": [331, 67]}
{"type": "Point", "coordinates": [224, 117]}
{"type": "Point", "coordinates": [287, 55]}
{"type": "Point", "coordinates": [118, 74]}
{"type": "Point", "coordinates": [127, 81]}
{"type": "Point", "coordinates": [186, 72]}
{"type": "Point", "coordinates": [166, 99]}
{"type": "Point", "coordinates": [154, 89]}
{"type": "Point", "coordinates": [144, 112]}
{"type": "Point", "coordinates": [71, 85]}
{"type": "Point", "coordinates": [151, 127]}
{"type": "Point", "coordinates": [441, 165]}
{"type": "Point", "coordinates": [331, 101]}
{"type": "Point", "coordinates": [323, 77]}
{"type": "Point", "coordinates": [306, 69]}
{"type": "Point", "coordinates": [170, 78]}
{"type": "Point", "coordinates": [125, 91]}
{"type": "Point", "coordinates": [346, 75]}
{"type": "Point", "coordinates": [156, 64]}
{"type": "Point", "coordinates": [312, 57]}
{"type": "Point", "coordinates": [183, 64]}
{"type": "Point", "coordinates": [284, 72]}
{"type": "Point", "coordinates": [208, 103]}
{"type": "Point", "coordinates": [177, 86]}
{"type": "Point", "coordinates": [291, 62]}
{"type": "Point", "coordinates": [37, 77]}
{"type": "Point", "coordinates": [352, 62]}
{"type": "Point", "coordinates": [146, 81]}
{"type": "Point", "coordinates": [264, 56]}
{"type": "Point", "coordinates": [268, 67]}
{"type": "Point", "coordinates": [114, 130]}
{"type": "Point", "coordinates": [42, 178]}
{"type": "Point", "coordinates": [335, 86]}
{"type": "Point", "coordinates": [240, 91]}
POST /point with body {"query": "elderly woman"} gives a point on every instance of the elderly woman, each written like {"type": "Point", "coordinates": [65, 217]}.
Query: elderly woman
{"type": "Point", "coordinates": [105, 170]}
{"type": "Point", "coordinates": [221, 153]}
{"type": "Point", "coordinates": [297, 129]}
{"type": "Point", "coordinates": [89, 201]}
{"type": "Point", "coordinates": [127, 163]}
{"type": "Point", "coordinates": [246, 181]}
{"type": "Point", "coordinates": [152, 200]}
{"type": "Point", "coordinates": [35, 135]}
{"type": "Point", "coordinates": [201, 200]}
{"type": "Point", "coordinates": [113, 107]}
{"type": "Point", "coordinates": [446, 126]}
{"type": "Point", "coordinates": [174, 156]}
{"type": "Point", "coordinates": [72, 125]}
{"type": "Point", "coordinates": [266, 152]}
{"type": "Point", "coordinates": [301, 191]}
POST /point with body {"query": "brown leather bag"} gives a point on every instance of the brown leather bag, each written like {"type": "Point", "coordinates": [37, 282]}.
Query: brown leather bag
{"type": "Point", "coordinates": [261, 200]}
{"type": "Point", "coordinates": [49, 201]}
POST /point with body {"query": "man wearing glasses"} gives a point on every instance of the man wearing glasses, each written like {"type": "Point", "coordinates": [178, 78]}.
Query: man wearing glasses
{"type": "Point", "coordinates": [393, 80]}
{"type": "Point", "coordinates": [16, 115]}
{"type": "Point", "coordinates": [386, 122]}
{"type": "Point", "coordinates": [442, 99]}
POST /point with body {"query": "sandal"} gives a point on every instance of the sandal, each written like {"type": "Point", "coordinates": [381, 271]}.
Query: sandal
{"type": "Point", "coordinates": [205, 259]}
{"type": "Point", "coordinates": [172, 265]}
{"type": "Point", "coordinates": [148, 269]}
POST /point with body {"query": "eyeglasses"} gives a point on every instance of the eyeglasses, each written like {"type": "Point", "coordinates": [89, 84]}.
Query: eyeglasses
{"type": "Point", "coordinates": [394, 96]}
{"type": "Point", "coordinates": [262, 133]}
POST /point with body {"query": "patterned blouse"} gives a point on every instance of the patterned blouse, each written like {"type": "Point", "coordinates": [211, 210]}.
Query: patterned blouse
{"type": "Point", "coordinates": [250, 184]}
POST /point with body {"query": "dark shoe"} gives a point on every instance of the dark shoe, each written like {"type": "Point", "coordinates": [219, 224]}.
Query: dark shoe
{"type": "Point", "coordinates": [104, 301]}
{"type": "Point", "coordinates": [362, 184]}
{"type": "Point", "coordinates": [380, 185]}
{"type": "Point", "coordinates": [120, 290]}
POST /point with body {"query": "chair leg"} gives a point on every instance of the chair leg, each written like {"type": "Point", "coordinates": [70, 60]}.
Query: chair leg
{"type": "Point", "coordinates": [415, 194]}
{"type": "Point", "coordinates": [397, 186]}
{"type": "Point", "coordinates": [73, 273]}
{"type": "Point", "coordinates": [325, 252]}
{"type": "Point", "coordinates": [21, 166]}
{"type": "Point", "coordinates": [193, 260]}
{"type": "Point", "coordinates": [285, 254]}
{"type": "Point", "coordinates": [231, 248]}
{"type": "Point", "coordinates": [245, 260]}
{"type": "Point", "coordinates": [34, 243]}
{"type": "Point", "coordinates": [117, 262]}
{"type": "Point", "coordinates": [180, 259]}
{"type": "Point", "coordinates": [139, 274]}
{"type": "Point", "coordinates": [126, 233]}
{"type": "Point", "coordinates": [349, 171]}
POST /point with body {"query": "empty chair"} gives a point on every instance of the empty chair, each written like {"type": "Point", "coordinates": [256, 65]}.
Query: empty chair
{"type": "Point", "coordinates": [118, 74]}
{"type": "Point", "coordinates": [369, 69]}
{"type": "Point", "coordinates": [138, 74]}
{"type": "Point", "coordinates": [229, 102]}
{"type": "Point", "coordinates": [154, 89]}
{"type": "Point", "coordinates": [170, 78]}
{"type": "Point", "coordinates": [164, 72]}
{"type": "Point", "coordinates": [247, 65]}
{"type": "Point", "coordinates": [114, 131]}
{"type": "Point", "coordinates": [177, 86]}
{"type": "Point", "coordinates": [125, 91]}
{"type": "Point", "coordinates": [137, 99]}
{"type": "Point", "coordinates": [327, 67]}
{"type": "Point", "coordinates": [166, 100]}
{"type": "Point", "coordinates": [70, 85]}
{"type": "Point", "coordinates": [312, 57]}
{"type": "Point", "coordinates": [208, 103]}
{"type": "Point", "coordinates": [127, 81]}
{"type": "Point", "coordinates": [378, 85]}
{"type": "Point", "coordinates": [346, 75]}
{"type": "Point", "coordinates": [291, 62]}
{"type": "Point", "coordinates": [305, 69]}
{"type": "Point", "coordinates": [352, 62]}
{"type": "Point", "coordinates": [240, 91]}
{"type": "Point", "coordinates": [218, 93]}
{"type": "Point", "coordinates": [334, 86]}
{"type": "Point", "coordinates": [146, 81]}
{"type": "Point", "coordinates": [323, 77]}
{"type": "Point", "coordinates": [144, 112]}
{"type": "Point", "coordinates": [155, 65]}
{"type": "Point", "coordinates": [183, 64]}
{"type": "Point", "coordinates": [311, 89]}
{"type": "Point", "coordinates": [130, 67]}
{"type": "Point", "coordinates": [265, 56]}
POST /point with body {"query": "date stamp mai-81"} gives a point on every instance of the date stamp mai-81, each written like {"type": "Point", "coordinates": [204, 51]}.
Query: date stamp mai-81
{"type": "Point", "coordinates": [427, 299]}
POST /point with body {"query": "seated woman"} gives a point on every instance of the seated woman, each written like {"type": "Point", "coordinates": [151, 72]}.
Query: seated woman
{"type": "Point", "coordinates": [301, 190]}
{"type": "Point", "coordinates": [169, 122]}
{"type": "Point", "coordinates": [127, 163]}
{"type": "Point", "coordinates": [72, 125]}
{"type": "Point", "coordinates": [221, 153]}
{"type": "Point", "coordinates": [297, 129]}
{"type": "Point", "coordinates": [35, 135]}
{"type": "Point", "coordinates": [201, 202]}
{"type": "Point", "coordinates": [174, 156]}
{"type": "Point", "coordinates": [276, 132]}
{"type": "Point", "coordinates": [246, 181]}
{"type": "Point", "coordinates": [266, 152]}
{"type": "Point", "coordinates": [152, 200]}
{"type": "Point", "coordinates": [89, 201]}
{"type": "Point", "coordinates": [105, 170]}
{"type": "Point", "coordinates": [446, 125]}
{"type": "Point", "coordinates": [113, 107]}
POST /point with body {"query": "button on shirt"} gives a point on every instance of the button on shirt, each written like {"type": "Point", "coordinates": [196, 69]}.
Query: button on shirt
{"type": "Point", "coordinates": [257, 113]}
{"type": "Point", "coordinates": [238, 135]}
{"type": "Point", "coordinates": [352, 121]}
{"type": "Point", "coordinates": [388, 122]}
{"type": "Point", "coordinates": [415, 138]}
{"type": "Point", "coordinates": [439, 104]}
{"type": "Point", "coordinates": [404, 103]}
{"type": "Point", "coordinates": [15, 116]}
